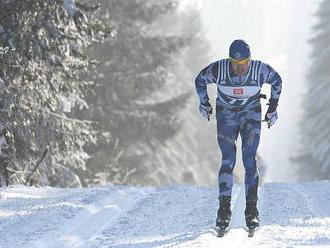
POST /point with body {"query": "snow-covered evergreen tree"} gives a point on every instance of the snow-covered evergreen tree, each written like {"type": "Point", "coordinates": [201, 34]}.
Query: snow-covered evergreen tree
{"type": "Point", "coordinates": [137, 100]}
{"type": "Point", "coordinates": [40, 85]}
{"type": "Point", "coordinates": [314, 158]}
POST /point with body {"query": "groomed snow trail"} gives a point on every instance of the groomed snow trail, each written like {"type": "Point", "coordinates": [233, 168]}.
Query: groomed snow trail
{"type": "Point", "coordinates": [292, 215]}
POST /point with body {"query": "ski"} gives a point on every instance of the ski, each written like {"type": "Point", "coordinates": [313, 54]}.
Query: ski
{"type": "Point", "coordinates": [251, 231]}
{"type": "Point", "coordinates": [221, 231]}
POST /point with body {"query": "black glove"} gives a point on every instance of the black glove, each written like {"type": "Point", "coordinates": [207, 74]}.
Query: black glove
{"type": "Point", "coordinates": [271, 115]}
{"type": "Point", "coordinates": [205, 109]}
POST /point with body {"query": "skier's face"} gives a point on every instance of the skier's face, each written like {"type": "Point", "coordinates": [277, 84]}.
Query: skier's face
{"type": "Point", "coordinates": [240, 69]}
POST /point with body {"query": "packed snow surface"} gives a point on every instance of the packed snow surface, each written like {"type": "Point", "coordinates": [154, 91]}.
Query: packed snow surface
{"type": "Point", "coordinates": [292, 215]}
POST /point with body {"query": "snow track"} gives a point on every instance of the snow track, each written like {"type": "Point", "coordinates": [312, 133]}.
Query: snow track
{"type": "Point", "coordinates": [292, 215]}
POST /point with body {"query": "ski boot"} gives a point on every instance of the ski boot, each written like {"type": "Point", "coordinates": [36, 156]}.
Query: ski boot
{"type": "Point", "coordinates": [223, 215]}
{"type": "Point", "coordinates": [251, 216]}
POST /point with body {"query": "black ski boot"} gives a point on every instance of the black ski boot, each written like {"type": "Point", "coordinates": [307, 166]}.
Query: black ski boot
{"type": "Point", "coordinates": [251, 216]}
{"type": "Point", "coordinates": [223, 215]}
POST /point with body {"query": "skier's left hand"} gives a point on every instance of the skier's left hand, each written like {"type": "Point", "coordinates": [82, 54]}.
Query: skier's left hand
{"type": "Point", "coordinates": [271, 115]}
{"type": "Point", "coordinates": [271, 118]}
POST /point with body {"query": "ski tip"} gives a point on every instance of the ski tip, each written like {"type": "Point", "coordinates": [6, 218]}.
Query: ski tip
{"type": "Point", "coordinates": [251, 233]}
{"type": "Point", "coordinates": [252, 230]}
{"type": "Point", "coordinates": [221, 232]}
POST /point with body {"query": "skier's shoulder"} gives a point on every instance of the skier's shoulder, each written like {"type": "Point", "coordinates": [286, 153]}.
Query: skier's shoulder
{"type": "Point", "coordinates": [222, 61]}
{"type": "Point", "coordinates": [220, 65]}
{"type": "Point", "coordinates": [258, 63]}
{"type": "Point", "coordinates": [263, 66]}
{"type": "Point", "coordinates": [216, 66]}
{"type": "Point", "coordinates": [267, 71]}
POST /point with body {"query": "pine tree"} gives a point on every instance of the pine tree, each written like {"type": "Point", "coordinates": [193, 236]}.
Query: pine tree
{"type": "Point", "coordinates": [136, 102]}
{"type": "Point", "coordinates": [40, 86]}
{"type": "Point", "coordinates": [314, 158]}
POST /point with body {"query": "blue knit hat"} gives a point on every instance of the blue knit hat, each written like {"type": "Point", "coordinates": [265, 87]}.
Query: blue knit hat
{"type": "Point", "coordinates": [239, 50]}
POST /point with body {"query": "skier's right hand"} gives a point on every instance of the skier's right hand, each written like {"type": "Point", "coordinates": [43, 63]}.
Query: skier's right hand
{"type": "Point", "coordinates": [205, 109]}
{"type": "Point", "coordinates": [271, 118]}
{"type": "Point", "coordinates": [271, 115]}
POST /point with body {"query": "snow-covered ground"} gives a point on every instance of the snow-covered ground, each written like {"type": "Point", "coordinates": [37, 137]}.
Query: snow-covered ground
{"type": "Point", "coordinates": [292, 215]}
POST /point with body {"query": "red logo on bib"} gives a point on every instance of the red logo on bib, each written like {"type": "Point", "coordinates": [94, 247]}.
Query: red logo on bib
{"type": "Point", "coordinates": [238, 91]}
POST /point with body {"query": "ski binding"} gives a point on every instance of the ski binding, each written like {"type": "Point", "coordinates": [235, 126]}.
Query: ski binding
{"type": "Point", "coordinates": [221, 231]}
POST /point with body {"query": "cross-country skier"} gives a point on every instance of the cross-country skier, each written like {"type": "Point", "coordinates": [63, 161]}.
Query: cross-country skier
{"type": "Point", "coordinates": [238, 111]}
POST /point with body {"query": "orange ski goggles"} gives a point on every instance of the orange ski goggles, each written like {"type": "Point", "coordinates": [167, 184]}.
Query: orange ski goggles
{"type": "Point", "coordinates": [240, 62]}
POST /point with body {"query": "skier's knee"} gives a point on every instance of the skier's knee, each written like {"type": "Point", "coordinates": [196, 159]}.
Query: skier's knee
{"type": "Point", "coordinates": [249, 157]}
{"type": "Point", "coordinates": [227, 165]}
{"type": "Point", "coordinates": [225, 169]}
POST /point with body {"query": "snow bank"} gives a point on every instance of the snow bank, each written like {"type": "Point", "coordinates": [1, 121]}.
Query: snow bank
{"type": "Point", "coordinates": [292, 215]}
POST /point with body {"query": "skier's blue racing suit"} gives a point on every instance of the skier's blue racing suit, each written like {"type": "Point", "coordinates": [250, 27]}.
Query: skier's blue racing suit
{"type": "Point", "coordinates": [238, 111]}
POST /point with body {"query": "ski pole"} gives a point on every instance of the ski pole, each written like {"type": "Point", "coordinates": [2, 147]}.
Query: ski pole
{"type": "Point", "coordinates": [267, 123]}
